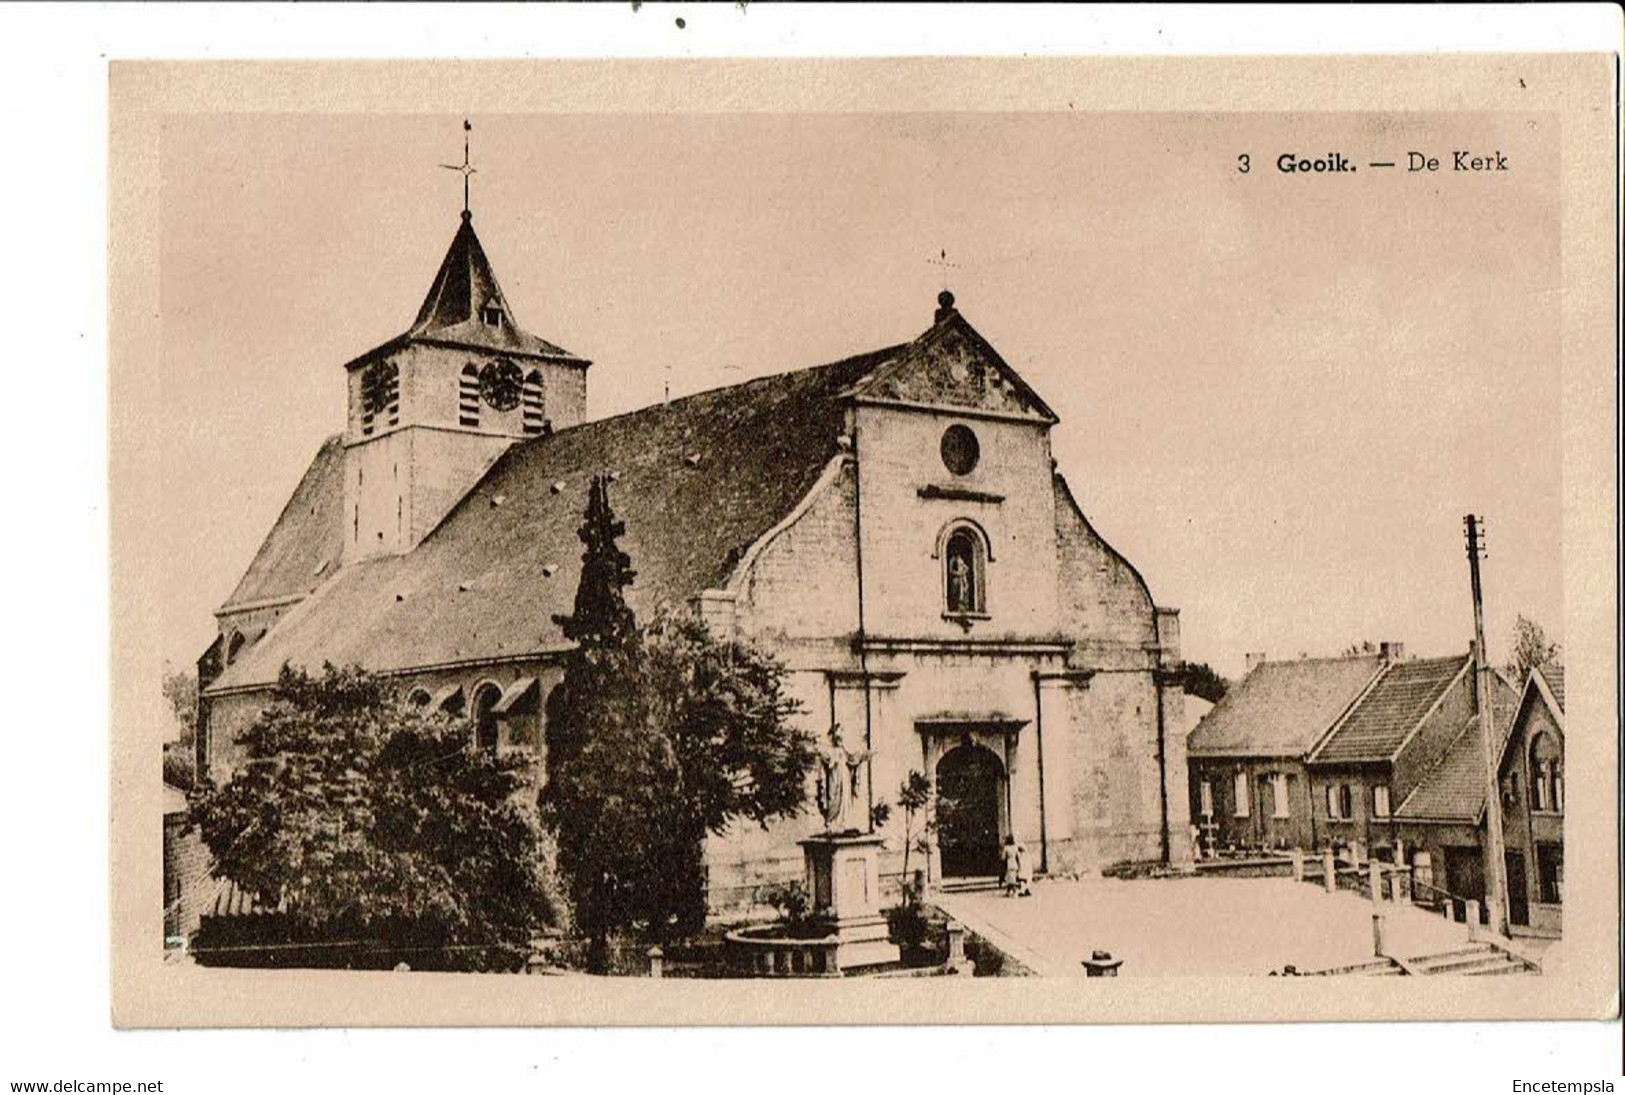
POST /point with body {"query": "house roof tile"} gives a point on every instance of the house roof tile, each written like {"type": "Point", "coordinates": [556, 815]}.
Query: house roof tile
{"type": "Point", "coordinates": [1282, 708]}
{"type": "Point", "coordinates": [1453, 789]}
{"type": "Point", "coordinates": [1385, 716]}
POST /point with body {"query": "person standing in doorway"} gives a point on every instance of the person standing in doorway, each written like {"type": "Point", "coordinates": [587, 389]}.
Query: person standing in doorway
{"type": "Point", "coordinates": [1012, 866]}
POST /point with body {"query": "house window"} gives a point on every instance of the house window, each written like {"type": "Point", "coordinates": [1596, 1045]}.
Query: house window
{"type": "Point", "coordinates": [964, 573]}
{"type": "Point", "coordinates": [1331, 801]}
{"type": "Point", "coordinates": [1283, 807]}
{"type": "Point", "coordinates": [1345, 801]}
{"type": "Point", "coordinates": [531, 403]}
{"type": "Point", "coordinates": [1243, 800]}
{"type": "Point", "coordinates": [1545, 774]}
{"type": "Point", "coordinates": [468, 397]}
{"type": "Point", "coordinates": [1207, 798]}
{"type": "Point", "coordinates": [1549, 865]}
{"type": "Point", "coordinates": [1379, 801]}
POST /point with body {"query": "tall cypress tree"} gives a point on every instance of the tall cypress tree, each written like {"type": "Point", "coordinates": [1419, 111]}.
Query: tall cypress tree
{"type": "Point", "coordinates": [602, 627]}
{"type": "Point", "coordinates": [603, 772]}
{"type": "Point", "coordinates": [601, 618]}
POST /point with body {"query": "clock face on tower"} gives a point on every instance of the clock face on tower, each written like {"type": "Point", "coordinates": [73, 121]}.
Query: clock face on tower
{"type": "Point", "coordinates": [500, 384]}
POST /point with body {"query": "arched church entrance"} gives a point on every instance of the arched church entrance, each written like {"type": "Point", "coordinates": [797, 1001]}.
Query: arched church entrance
{"type": "Point", "coordinates": [970, 808]}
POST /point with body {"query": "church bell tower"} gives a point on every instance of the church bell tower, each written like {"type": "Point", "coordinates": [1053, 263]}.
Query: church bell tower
{"type": "Point", "coordinates": [431, 409]}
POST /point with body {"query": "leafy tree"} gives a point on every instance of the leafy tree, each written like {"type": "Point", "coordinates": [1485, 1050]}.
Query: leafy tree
{"type": "Point", "coordinates": [179, 770]}
{"type": "Point", "coordinates": [377, 821]}
{"type": "Point", "coordinates": [722, 706]}
{"type": "Point", "coordinates": [656, 738]}
{"type": "Point", "coordinates": [180, 691]}
{"type": "Point", "coordinates": [1531, 649]}
{"type": "Point", "coordinates": [1199, 679]}
{"type": "Point", "coordinates": [913, 796]}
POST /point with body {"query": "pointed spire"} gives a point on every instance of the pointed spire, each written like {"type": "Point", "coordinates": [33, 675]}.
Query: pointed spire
{"type": "Point", "coordinates": [463, 288]}
{"type": "Point", "coordinates": [465, 304]}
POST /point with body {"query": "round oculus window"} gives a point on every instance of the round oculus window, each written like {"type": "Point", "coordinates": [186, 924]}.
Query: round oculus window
{"type": "Point", "coordinates": [960, 450]}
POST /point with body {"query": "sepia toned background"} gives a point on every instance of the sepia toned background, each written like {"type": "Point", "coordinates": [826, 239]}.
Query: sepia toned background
{"type": "Point", "coordinates": [1262, 381]}
{"type": "Point", "coordinates": [1278, 393]}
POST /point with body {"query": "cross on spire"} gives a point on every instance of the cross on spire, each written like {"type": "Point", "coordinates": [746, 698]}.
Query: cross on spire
{"type": "Point", "coordinates": [941, 261]}
{"type": "Point", "coordinates": [945, 299]}
{"type": "Point", "coordinates": [464, 168]}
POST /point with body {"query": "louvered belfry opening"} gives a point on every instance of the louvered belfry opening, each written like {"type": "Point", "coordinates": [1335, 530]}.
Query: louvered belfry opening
{"type": "Point", "coordinates": [532, 405]}
{"type": "Point", "coordinates": [468, 397]}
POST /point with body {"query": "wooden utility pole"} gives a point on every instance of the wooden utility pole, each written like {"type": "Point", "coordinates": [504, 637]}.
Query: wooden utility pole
{"type": "Point", "coordinates": [1495, 889]}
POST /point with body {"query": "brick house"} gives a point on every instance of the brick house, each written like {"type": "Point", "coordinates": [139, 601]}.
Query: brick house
{"type": "Point", "coordinates": [1320, 752]}
{"type": "Point", "coordinates": [892, 526]}
{"type": "Point", "coordinates": [1442, 819]}
{"type": "Point", "coordinates": [1249, 779]}
{"type": "Point", "coordinates": [1378, 752]}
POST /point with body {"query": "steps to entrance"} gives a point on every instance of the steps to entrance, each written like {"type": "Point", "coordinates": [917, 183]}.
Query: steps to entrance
{"type": "Point", "coordinates": [981, 884]}
{"type": "Point", "coordinates": [1481, 960]}
{"type": "Point", "coordinates": [1474, 960]}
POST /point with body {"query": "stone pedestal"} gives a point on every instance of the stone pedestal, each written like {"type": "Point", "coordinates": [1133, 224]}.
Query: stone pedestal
{"type": "Point", "coordinates": [843, 881]}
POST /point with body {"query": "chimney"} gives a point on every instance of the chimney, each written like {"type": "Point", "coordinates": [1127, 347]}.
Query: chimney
{"type": "Point", "coordinates": [1392, 651]}
{"type": "Point", "coordinates": [1254, 660]}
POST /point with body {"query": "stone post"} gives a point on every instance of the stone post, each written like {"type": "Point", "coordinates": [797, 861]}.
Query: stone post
{"type": "Point", "coordinates": [1374, 877]}
{"type": "Point", "coordinates": [1328, 861]}
{"type": "Point", "coordinates": [956, 947]}
{"type": "Point", "coordinates": [1297, 864]}
{"type": "Point", "coordinates": [1377, 941]}
{"type": "Point", "coordinates": [657, 963]}
{"type": "Point", "coordinates": [1472, 921]}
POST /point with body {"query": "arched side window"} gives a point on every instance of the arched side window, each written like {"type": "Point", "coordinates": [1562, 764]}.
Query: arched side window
{"type": "Point", "coordinates": [963, 550]}
{"type": "Point", "coordinates": [234, 646]}
{"type": "Point", "coordinates": [1546, 774]}
{"type": "Point", "coordinates": [485, 723]}
{"type": "Point", "coordinates": [468, 396]}
{"type": "Point", "coordinates": [532, 405]}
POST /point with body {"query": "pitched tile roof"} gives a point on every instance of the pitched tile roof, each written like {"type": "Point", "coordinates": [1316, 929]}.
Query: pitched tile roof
{"type": "Point", "coordinates": [453, 311]}
{"type": "Point", "coordinates": [1379, 724]}
{"type": "Point", "coordinates": [1453, 789]}
{"type": "Point", "coordinates": [697, 481]}
{"type": "Point", "coordinates": [308, 533]}
{"type": "Point", "coordinates": [1282, 708]}
{"type": "Point", "coordinates": [1553, 675]}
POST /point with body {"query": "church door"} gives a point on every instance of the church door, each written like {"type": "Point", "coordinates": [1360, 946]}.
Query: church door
{"type": "Point", "coordinates": [970, 799]}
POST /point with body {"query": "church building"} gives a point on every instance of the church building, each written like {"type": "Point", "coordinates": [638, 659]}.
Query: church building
{"type": "Point", "coordinates": [891, 526]}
